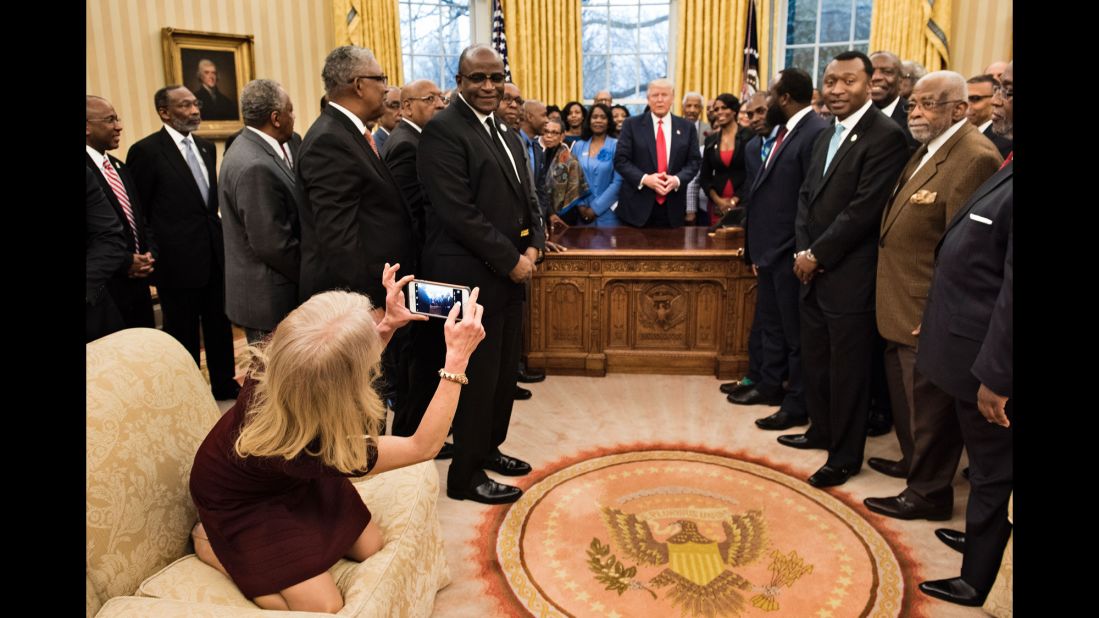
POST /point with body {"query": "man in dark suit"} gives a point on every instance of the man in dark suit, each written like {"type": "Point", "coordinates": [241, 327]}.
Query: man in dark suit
{"type": "Point", "coordinates": [652, 177]}
{"type": "Point", "coordinates": [954, 160]}
{"type": "Point", "coordinates": [854, 167]}
{"type": "Point", "coordinates": [177, 184]}
{"type": "Point", "coordinates": [259, 210]}
{"type": "Point", "coordinates": [104, 252]}
{"type": "Point", "coordinates": [885, 91]}
{"type": "Point", "coordinates": [129, 285]}
{"type": "Point", "coordinates": [531, 124]}
{"type": "Point", "coordinates": [769, 242]}
{"type": "Point", "coordinates": [483, 230]}
{"type": "Point", "coordinates": [391, 115]}
{"type": "Point", "coordinates": [215, 104]}
{"type": "Point", "coordinates": [980, 110]}
{"type": "Point", "coordinates": [965, 349]}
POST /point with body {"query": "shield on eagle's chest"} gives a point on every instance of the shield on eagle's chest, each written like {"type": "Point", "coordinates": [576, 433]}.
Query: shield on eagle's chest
{"type": "Point", "coordinates": [698, 562]}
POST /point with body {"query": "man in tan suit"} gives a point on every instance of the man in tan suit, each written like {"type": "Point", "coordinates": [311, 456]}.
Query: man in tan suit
{"type": "Point", "coordinates": [952, 162]}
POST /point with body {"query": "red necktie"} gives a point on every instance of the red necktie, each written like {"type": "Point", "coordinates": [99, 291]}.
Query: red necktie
{"type": "Point", "coordinates": [286, 154]}
{"type": "Point", "coordinates": [778, 142]}
{"type": "Point", "coordinates": [119, 189]}
{"type": "Point", "coordinates": [370, 140]}
{"type": "Point", "coordinates": [1008, 159]}
{"type": "Point", "coordinates": [661, 155]}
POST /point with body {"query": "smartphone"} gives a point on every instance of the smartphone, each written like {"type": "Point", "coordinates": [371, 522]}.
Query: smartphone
{"type": "Point", "coordinates": [435, 299]}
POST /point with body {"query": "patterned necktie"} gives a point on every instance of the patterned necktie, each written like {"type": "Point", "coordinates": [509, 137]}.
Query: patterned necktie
{"type": "Point", "coordinates": [370, 140]}
{"type": "Point", "coordinates": [661, 155]}
{"type": "Point", "coordinates": [833, 146]}
{"type": "Point", "coordinates": [115, 181]}
{"type": "Point", "coordinates": [196, 170]}
{"type": "Point", "coordinates": [286, 153]}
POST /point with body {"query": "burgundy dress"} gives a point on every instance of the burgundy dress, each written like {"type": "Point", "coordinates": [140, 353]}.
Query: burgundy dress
{"type": "Point", "coordinates": [273, 523]}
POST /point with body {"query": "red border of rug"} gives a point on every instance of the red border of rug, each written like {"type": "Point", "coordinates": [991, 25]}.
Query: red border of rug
{"type": "Point", "coordinates": [497, 588]}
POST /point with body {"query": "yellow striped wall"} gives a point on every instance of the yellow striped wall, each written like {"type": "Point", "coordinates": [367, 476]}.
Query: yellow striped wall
{"type": "Point", "coordinates": [982, 34]}
{"type": "Point", "coordinates": [126, 63]}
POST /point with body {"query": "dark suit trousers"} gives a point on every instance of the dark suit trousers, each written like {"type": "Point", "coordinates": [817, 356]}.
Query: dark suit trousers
{"type": "Point", "coordinates": [900, 363]}
{"type": "Point", "coordinates": [990, 477]}
{"type": "Point", "coordinates": [879, 385]}
{"type": "Point", "coordinates": [102, 318]}
{"type": "Point", "coordinates": [836, 349]}
{"type": "Point", "coordinates": [134, 302]}
{"type": "Point", "coordinates": [184, 308]}
{"type": "Point", "coordinates": [658, 216]}
{"type": "Point", "coordinates": [397, 373]}
{"type": "Point", "coordinates": [755, 344]}
{"type": "Point", "coordinates": [937, 441]}
{"type": "Point", "coordinates": [777, 310]}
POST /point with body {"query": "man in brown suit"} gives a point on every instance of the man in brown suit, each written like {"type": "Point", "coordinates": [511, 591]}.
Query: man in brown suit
{"type": "Point", "coordinates": [952, 162]}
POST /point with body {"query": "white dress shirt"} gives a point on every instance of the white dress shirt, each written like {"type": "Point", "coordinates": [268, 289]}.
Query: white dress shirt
{"type": "Point", "coordinates": [667, 126]}
{"type": "Point", "coordinates": [852, 120]}
{"type": "Point", "coordinates": [99, 158]}
{"type": "Point", "coordinates": [355, 119]}
{"type": "Point", "coordinates": [934, 145]}
{"type": "Point", "coordinates": [272, 142]}
{"type": "Point", "coordinates": [984, 127]}
{"type": "Point", "coordinates": [481, 118]}
{"type": "Point", "coordinates": [413, 125]}
{"type": "Point", "coordinates": [178, 138]}
{"type": "Point", "coordinates": [888, 109]}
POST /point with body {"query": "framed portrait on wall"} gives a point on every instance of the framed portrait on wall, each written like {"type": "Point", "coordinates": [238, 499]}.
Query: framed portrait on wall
{"type": "Point", "coordinates": [215, 67]}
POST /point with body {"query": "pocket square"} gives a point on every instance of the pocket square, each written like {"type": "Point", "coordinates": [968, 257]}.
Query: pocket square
{"type": "Point", "coordinates": [923, 196]}
{"type": "Point", "coordinates": [980, 219]}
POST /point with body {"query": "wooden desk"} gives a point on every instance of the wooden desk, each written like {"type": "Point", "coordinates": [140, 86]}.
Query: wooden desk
{"type": "Point", "coordinates": [642, 301]}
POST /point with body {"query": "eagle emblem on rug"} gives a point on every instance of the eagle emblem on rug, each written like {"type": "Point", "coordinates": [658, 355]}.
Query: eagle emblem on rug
{"type": "Point", "coordinates": [698, 569]}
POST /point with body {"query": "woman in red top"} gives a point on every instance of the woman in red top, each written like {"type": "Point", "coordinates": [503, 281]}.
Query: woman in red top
{"type": "Point", "coordinates": [270, 481]}
{"type": "Point", "coordinates": [723, 172]}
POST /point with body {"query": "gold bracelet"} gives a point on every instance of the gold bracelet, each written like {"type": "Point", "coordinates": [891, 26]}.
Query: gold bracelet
{"type": "Point", "coordinates": [459, 378]}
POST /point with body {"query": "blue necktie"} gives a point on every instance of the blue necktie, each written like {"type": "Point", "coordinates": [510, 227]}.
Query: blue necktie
{"type": "Point", "coordinates": [196, 170]}
{"type": "Point", "coordinates": [833, 146]}
{"type": "Point", "coordinates": [765, 151]}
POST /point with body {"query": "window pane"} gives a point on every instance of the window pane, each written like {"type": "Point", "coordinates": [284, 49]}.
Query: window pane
{"type": "Point", "coordinates": [826, 55]}
{"type": "Point", "coordinates": [802, 58]}
{"type": "Point", "coordinates": [653, 29]}
{"type": "Point", "coordinates": [594, 32]}
{"type": "Point", "coordinates": [625, 44]}
{"type": "Point", "coordinates": [595, 74]}
{"type": "Point", "coordinates": [862, 19]}
{"type": "Point", "coordinates": [835, 21]}
{"type": "Point", "coordinates": [623, 30]}
{"type": "Point", "coordinates": [622, 71]}
{"type": "Point", "coordinates": [433, 33]}
{"type": "Point", "coordinates": [801, 22]}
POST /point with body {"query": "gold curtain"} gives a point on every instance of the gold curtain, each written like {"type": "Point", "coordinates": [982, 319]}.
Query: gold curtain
{"type": "Point", "coordinates": [375, 25]}
{"type": "Point", "coordinates": [544, 48]}
{"type": "Point", "coordinates": [914, 30]}
{"type": "Point", "coordinates": [710, 46]}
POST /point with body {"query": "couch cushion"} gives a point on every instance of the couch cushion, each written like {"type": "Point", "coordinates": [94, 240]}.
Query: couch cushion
{"type": "Point", "coordinates": [148, 409]}
{"type": "Point", "coordinates": [140, 607]}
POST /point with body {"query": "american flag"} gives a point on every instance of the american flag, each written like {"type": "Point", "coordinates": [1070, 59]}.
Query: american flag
{"type": "Point", "coordinates": [751, 56]}
{"type": "Point", "coordinates": [499, 40]}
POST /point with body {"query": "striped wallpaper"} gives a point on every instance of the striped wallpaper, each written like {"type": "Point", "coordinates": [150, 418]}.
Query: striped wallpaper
{"type": "Point", "coordinates": [982, 34]}
{"type": "Point", "coordinates": [126, 64]}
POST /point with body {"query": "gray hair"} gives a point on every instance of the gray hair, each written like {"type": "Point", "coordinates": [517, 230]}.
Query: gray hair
{"type": "Point", "coordinates": [913, 69]}
{"type": "Point", "coordinates": [953, 84]}
{"type": "Point", "coordinates": [340, 65]}
{"type": "Point", "coordinates": [662, 82]}
{"type": "Point", "coordinates": [202, 63]}
{"type": "Point", "coordinates": [697, 95]}
{"type": "Point", "coordinates": [259, 99]}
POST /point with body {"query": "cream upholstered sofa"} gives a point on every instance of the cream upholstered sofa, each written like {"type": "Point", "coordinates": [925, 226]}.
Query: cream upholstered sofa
{"type": "Point", "coordinates": [148, 409]}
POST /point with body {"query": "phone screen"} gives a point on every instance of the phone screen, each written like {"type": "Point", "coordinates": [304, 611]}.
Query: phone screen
{"type": "Point", "coordinates": [433, 299]}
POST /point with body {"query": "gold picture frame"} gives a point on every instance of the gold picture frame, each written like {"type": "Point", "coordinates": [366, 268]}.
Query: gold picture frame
{"type": "Point", "coordinates": [189, 56]}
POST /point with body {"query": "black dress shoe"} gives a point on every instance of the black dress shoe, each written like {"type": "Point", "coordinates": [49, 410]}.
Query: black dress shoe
{"type": "Point", "coordinates": [226, 391]}
{"type": "Point", "coordinates": [954, 590]}
{"type": "Point", "coordinates": [798, 440]}
{"type": "Point", "coordinates": [522, 393]}
{"type": "Point", "coordinates": [508, 466]}
{"type": "Point", "coordinates": [781, 420]}
{"type": "Point", "coordinates": [447, 452]}
{"type": "Point", "coordinates": [830, 476]}
{"type": "Point", "coordinates": [756, 396]}
{"type": "Point", "coordinates": [528, 376]}
{"type": "Point", "coordinates": [489, 492]}
{"type": "Point", "coordinates": [954, 539]}
{"type": "Point", "coordinates": [901, 507]}
{"type": "Point", "coordinates": [737, 386]}
{"type": "Point", "coordinates": [878, 424]}
{"type": "Point", "coordinates": [888, 467]}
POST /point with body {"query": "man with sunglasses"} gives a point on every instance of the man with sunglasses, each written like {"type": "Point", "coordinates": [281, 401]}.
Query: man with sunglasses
{"type": "Point", "coordinates": [483, 230]}
{"type": "Point", "coordinates": [391, 115]}
{"type": "Point", "coordinates": [980, 110]}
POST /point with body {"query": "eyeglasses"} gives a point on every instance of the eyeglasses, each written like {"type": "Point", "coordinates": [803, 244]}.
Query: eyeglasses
{"type": "Point", "coordinates": [430, 99]}
{"type": "Point", "coordinates": [382, 79]}
{"type": "Point", "coordinates": [479, 78]}
{"type": "Point", "coordinates": [107, 120]}
{"type": "Point", "coordinates": [928, 105]}
{"type": "Point", "coordinates": [977, 98]}
{"type": "Point", "coordinates": [393, 104]}
{"type": "Point", "coordinates": [509, 100]}
{"type": "Point", "coordinates": [1003, 92]}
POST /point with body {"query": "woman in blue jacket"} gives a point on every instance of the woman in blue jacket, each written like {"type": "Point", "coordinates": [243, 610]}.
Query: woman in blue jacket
{"type": "Point", "coordinates": [596, 155]}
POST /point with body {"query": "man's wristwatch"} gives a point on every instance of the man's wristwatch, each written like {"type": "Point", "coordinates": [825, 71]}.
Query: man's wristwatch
{"type": "Point", "coordinates": [809, 256]}
{"type": "Point", "coordinates": [541, 256]}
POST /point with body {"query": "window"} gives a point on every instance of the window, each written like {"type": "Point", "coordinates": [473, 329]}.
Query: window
{"type": "Point", "coordinates": [625, 46]}
{"type": "Point", "coordinates": [433, 35]}
{"type": "Point", "coordinates": [817, 30]}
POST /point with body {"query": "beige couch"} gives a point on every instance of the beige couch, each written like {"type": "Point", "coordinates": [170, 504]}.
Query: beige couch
{"type": "Point", "coordinates": [148, 409]}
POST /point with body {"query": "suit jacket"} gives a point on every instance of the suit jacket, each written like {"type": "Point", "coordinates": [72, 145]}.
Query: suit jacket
{"type": "Point", "coordinates": [715, 173]}
{"type": "Point", "coordinates": [104, 241]}
{"type": "Point", "coordinates": [217, 106]}
{"type": "Point", "coordinates": [145, 234]}
{"type": "Point", "coordinates": [354, 219]}
{"type": "Point", "coordinates": [400, 157]}
{"type": "Point", "coordinates": [773, 205]}
{"type": "Point", "coordinates": [636, 156]}
{"type": "Point", "coordinates": [901, 118]}
{"type": "Point", "coordinates": [477, 208]}
{"type": "Point", "coordinates": [380, 138]}
{"type": "Point", "coordinates": [914, 221]}
{"type": "Point", "coordinates": [538, 174]}
{"type": "Point", "coordinates": [187, 230]}
{"type": "Point", "coordinates": [1002, 143]}
{"type": "Point", "coordinates": [259, 204]}
{"type": "Point", "coordinates": [839, 211]}
{"type": "Point", "coordinates": [703, 129]}
{"type": "Point", "coordinates": [966, 335]}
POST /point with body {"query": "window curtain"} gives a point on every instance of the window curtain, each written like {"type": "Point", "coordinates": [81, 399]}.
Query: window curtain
{"type": "Point", "coordinates": [375, 25]}
{"type": "Point", "coordinates": [710, 46]}
{"type": "Point", "coordinates": [544, 49]}
{"type": "Point", "coordinates": [914, 30]}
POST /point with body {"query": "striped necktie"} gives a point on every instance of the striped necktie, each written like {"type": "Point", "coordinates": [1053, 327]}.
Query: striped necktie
{"type": "Point", "coordinates": [115, 181]}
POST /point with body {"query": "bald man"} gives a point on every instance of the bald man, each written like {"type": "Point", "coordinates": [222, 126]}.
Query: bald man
{"type": "Point", "coordinates": [604, 97]}
{"type": "Point", "coordinates": [996, 69]}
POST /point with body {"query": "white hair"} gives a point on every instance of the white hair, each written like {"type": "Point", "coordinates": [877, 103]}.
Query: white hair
{"type": "Point", "coordinates": [661, 82]}
{"type": "Point", "coordinates": [953, 84]}
{"type": "Point", "coordinates": [697, 95]}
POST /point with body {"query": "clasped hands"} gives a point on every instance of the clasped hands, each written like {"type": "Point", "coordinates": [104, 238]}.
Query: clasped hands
{"type": "Point", "coordinates": [804, 268]}
{"type": "Point", "coordinates": [141, 265]}
{"type": "Point", "coordinates": [663, 183]}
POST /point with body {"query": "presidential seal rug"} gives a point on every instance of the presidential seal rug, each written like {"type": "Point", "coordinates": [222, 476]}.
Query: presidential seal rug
{"type": "Point", "coordinates": [659, 532]}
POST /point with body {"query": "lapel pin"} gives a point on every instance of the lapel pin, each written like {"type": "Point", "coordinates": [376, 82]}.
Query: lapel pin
{"type": "Point", "coordinates": [854, 137]}
{"type": "Point", "coordinates": [677, 132]}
